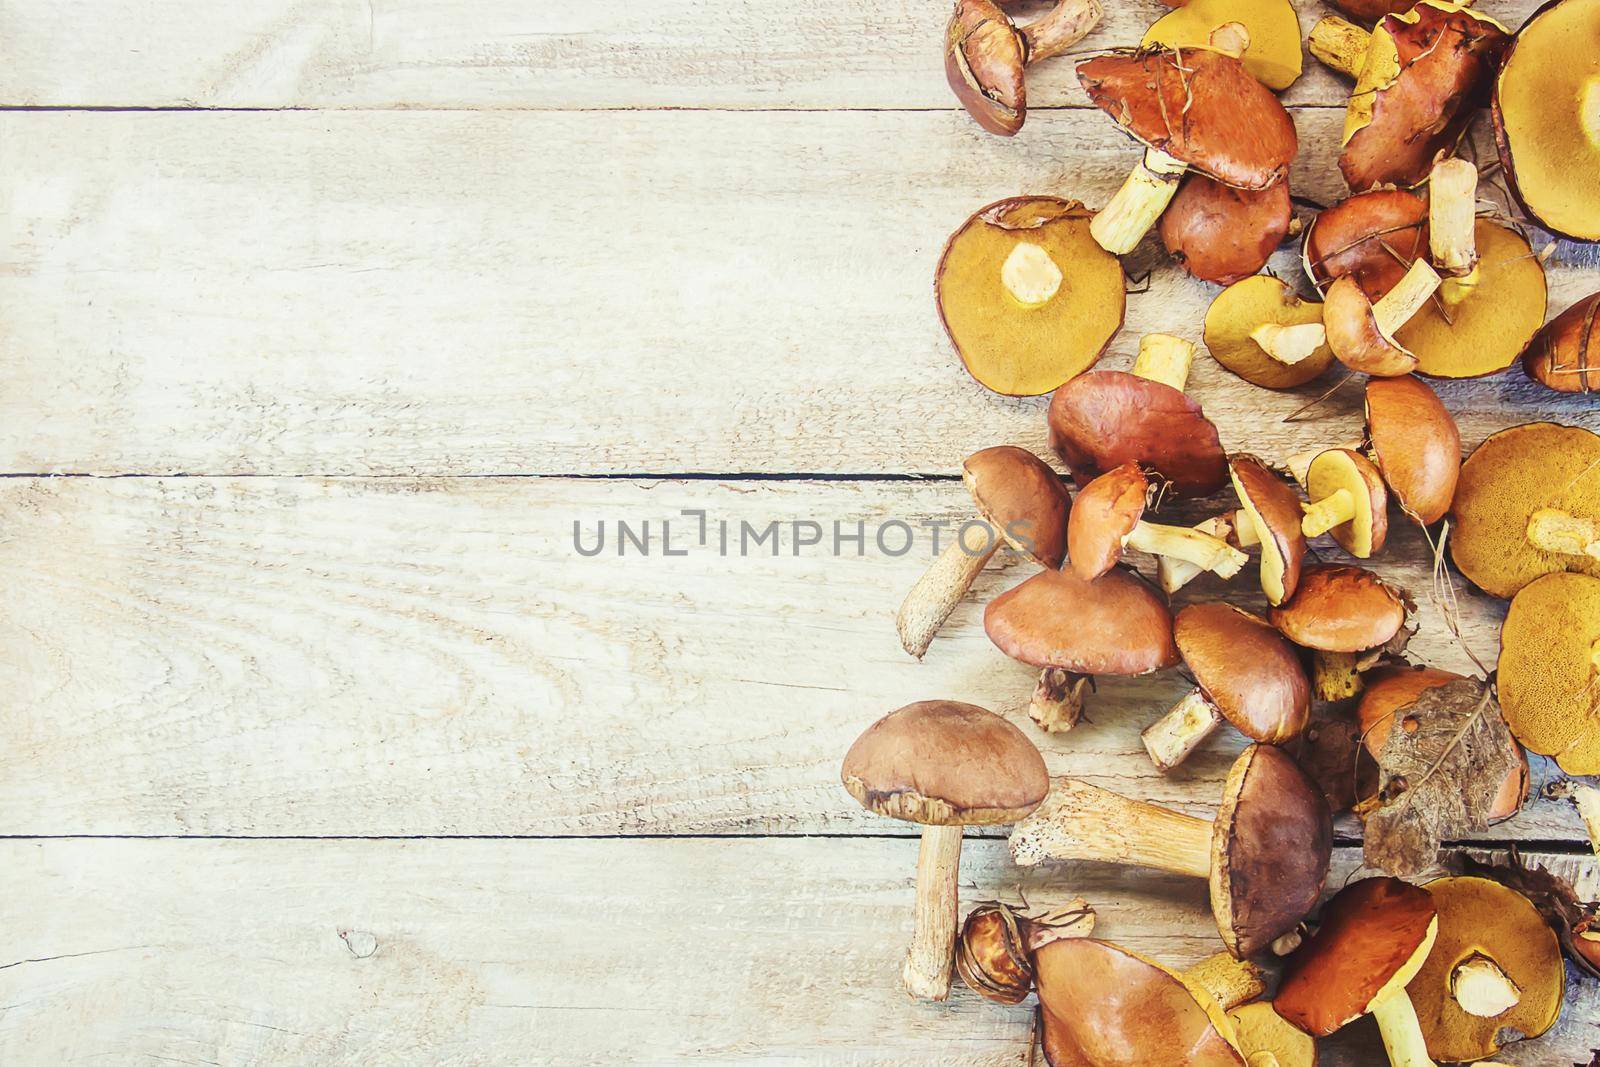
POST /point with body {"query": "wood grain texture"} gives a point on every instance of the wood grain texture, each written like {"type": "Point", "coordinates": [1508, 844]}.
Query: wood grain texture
{"type": "Point", "coordinates": [394, 656]}
{"type": "Point", "coordinates": [578, 952]}
{"type": "Point", "coordinates": [505, 54]}
{"type": "Point", "coordinates": [447, 293]}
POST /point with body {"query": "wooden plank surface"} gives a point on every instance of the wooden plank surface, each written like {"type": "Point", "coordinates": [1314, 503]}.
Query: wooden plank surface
{"type": "Point", "coordinates": [505, 54]}
{"type": "Point", "coordinates": [444, 293]}
{"type": "Point", "coordinates": [582, 952]}
{"type": "Point", "coordinates": [394, 656]}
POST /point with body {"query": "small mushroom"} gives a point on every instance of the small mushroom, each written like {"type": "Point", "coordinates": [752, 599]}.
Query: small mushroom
{"type": "Point", "coordinates": [1340, 612]}
{"type": "Point", "coordinates": [1026, 296]}
{"type": "Point", "coordinates": [986, 53]}
{"type": "Point", "coordinates": [1415, 444]}
{"type": "Point", "coordinates": [1495, 967]}
{"type": "Point", "coordinates": [1203, 111]}
{"type": "Point", "coordinates": [994, 952]}
{"type": "Point", "coordinates": [1265, 856]}
{"type": "Point", "coordinates": [1546, 111]}
{"type": "Point", "coordinates": [1362, 333]}
{"type": "Point", "coordinates": [945, 765]}
{"type": "Point", "coordinates": [1244, 672]}
{"type": "Point", "coordinates": [1271, 512]}
{"type": "Point", "coordinates": [1373, 237]}
{"type": "Point", "coordinates": [1074, 630]}
{"type": "Point", "coordinates": [1260, 330]}
{"type": "Point", "coordinates": [1221, 234]}
{"type": "Point", "coordinates": [1107, 517]}
{"type": "Point", "coordinates": [1266, 1040]}
{"type": "Point", "coordinates": [1101, 420]}
{"type": "Point", "coordinates": [1374, 937]}
{"type": "Point", "coordinates": [1563, 354]}
{"type": "Point", "coordinates": [1348, 500]}
{"type": "Point", "coordinates": [1021, 502]}
{"type": "Point", "coordinates": [1549, 672]}
{"type": "Point", "coordinates": [1528, 503]}
{"type": "Point", "coordinates": [1268, 29]}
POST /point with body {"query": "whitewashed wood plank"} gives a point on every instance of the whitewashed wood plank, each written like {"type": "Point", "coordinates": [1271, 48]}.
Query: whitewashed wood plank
{"type": "Point", "coordinates": [580, 952]}
{"type": "Point", "coordinates": [445, 293]}
{"type": "Point", "coordinates": [387, 657]}
{"type": "Point", "coordinates": [504, 54]}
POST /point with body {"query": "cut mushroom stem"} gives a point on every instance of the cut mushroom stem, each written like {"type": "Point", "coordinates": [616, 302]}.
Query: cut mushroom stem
{"type": "Point", "coordinates": [1174, 573]}
{"type": "Point", "coordinates": [933, 941]}
{"type": "Point", "coordinates": [1231, 39]}
{"type": "Point", "coordinates": [937, 592]}
{"type": "Point", "coordinates": [1452, 220]}
{"type": "Point", "coordinates": [1030, 276]}
{"type": "Point", "coordinates": [1481, 988]}
{"type": "Point", "coordinates": [1553, 530]}
{"type": "Point", "coordinates": [1059, 29]}
{"type": "Point", "coordinates": [1245, 533]}
{"type": "Point", "coordinates": [1090, 823]}
{"type": "Point", "coordinates": [1171, 738]}
{"type": "Point", "coordinates": [1230, 982]}
{"type": "Point", "coordinates": [1330, 511]}
{"type": "Point", "coordinates": [1057, 704]}
{"type": "Point", "coordinates": [1406, 298]}
{"type": "Point", "coordinates": [1402, 1033]}
{"type": "Point", "coordinates": [1165, 359]}
{"type": "Point", "coordinates": [1122, 223]}
{"type": "Point", "coordinates": [1335, 675]}
{"type": "Point", "coordinates": [1340, 45]}
{"type": "Point", "coordinates": [1290, 344]}
{"type": "Point", "coordinates": [1190, 545]}
{"type": "Point", "coordinates": [1587, 799]}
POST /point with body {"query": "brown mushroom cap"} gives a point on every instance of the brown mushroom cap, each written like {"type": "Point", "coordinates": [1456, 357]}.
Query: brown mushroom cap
{"type": "Point", "coordinates": [1272, 53]}
{"type": "Point", "coordinates": [1341, 609]}
{"type": "Point", "coordinates": [1564, 355]}
{"type": "Point", "coordinates": [1482, 918]}
{"type": "Point", "coordinates": [1221, 234]}
{"type": "Point", "coordinates": [1271, 844]}
{"type": "Point", "coordinates": [991, 956]}
{"type": "Point", "coordinates": [1370, 11]}
{"type": "Point", "coordinates": [1114, 625]}
{"type": "Point", "coordinates": [1354, 335]}
{"type": "Point", "coordinates": [1549, 672]}
{"type": "Point", "coordinates": [1246, 670]}
{"type": "Point", "coordinates": [1106, 511]}
{"type": "Point", "coordinates": [1104, 419]}
{"type": "Point", "coordinates": [1204, 109]}
{"type": "Point", "coordinates": [1104, 1006]}
{"type": "Point", "coordinates": [1415, 443]}
{"type": "Point", "coordinates": [945, 763]}
{"type": "Point", "coordinates": [1275, 509]}
{"type": "Point", "coordinates": [984, 56]}
{"type": "Point", "coordinates": [1343, 468]}
{"type": "Point", "coordinates": [1022, 498]}
{"type": "Point", "coordinates": [1355, 237]}
{"type": "Point", "coordinates": [1256, 301]}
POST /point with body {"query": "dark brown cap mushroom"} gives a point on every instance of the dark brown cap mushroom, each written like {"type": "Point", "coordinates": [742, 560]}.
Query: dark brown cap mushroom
{"type": "Point", "coordinates": [1265, 855]}
{"type": "Point", "coordinates": [1075, 629]}
{"type": "Point", "coordinates": [1202, 111]}
{"type": "Point", "coordinates": [1348, 500]}
{"type": "Point", "coordinates": [1273, 513]}
{"type": "Point", "coordinates": [1221, 234]}
{"type": "Point", "coordinates": [1564, 355]}
{"type": "Point", "coordinates": [1340, 612]}
{"type": "Point", "coordinates": [1022, 503]}
{"type": "Point", "coordinates": [985, 54]}
{"type": "Point", "coordinates": [945, 765]}
{"type": "Point", "coordinates": [1108, 517]}
{"type": "Point", "coordinates": [1244, 671]}
{"type": "Point", "coordinates": [1415, 444]}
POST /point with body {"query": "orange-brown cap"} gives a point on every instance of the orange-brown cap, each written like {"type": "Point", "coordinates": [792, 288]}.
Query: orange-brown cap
{"type": "Point", "coordinates": [1246, 669]}
{"type": "Point", "coordinates": [1565, 355]}
{"type": "Point", "coordinates": [1416, 444]}
{"type": "Point", "coordinates": [1341, 609]}
{"type": "Point", "coordinates": [1104, 419]}
{"type": "Point", "coordinates": [1105, 512]}
{"type": "Point", "coordinates": [1275, 509]}
{"type": "Point", "coordinates": [1221, 234]}
{"type": "Point", "coordinates": [1363, 235]}
{"type": "Point", "coordinates": [984, 57]}
{"type": "Point", "coordinates": [1115, 624]}
{"type": "Point", "coordinates": [1022, 498]}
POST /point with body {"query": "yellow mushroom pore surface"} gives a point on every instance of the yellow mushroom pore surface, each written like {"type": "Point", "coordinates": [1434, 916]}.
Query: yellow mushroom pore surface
{"type": "Point", "coordinates": [1272, 55]}
{"type": "Point", "coordinates": [1243, 307]}
{"type": "Point", "coordinates": [1549, 672]}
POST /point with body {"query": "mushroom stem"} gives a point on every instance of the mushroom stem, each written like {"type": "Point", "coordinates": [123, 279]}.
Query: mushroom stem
{"type": "Point", "coordinates": [1406, 298]}
{"type": "Point", "coordinates": [1481, 988]}
{"type": "Point", "coordinates": [1174, 573]}
{"type": "Point", "coordinates": [933, 941]}
{"type": "Point", "coordinates": [1452, 216]}
{"type": "Point", "coordinates": [1084, 822]}
{"type": "Point", "coordinates": [1328, 512]}
{"type": "Point", "coordinates": [1454, 291]}
{"type": "Point", "coordinates": [1230, 38]}
{"type": "Point", "coordinates": [1402, 1033]}
{"type": "Point", "coordinates": [1171, 738]}
{"type": "Point", "coordinates": [1060, 28]}
{"type": "Point", "coordinates": [1340, 45]}
{"type": "Point", "coordinates": [1123, 222]}
{"type": "Point", "coordinates": [1290, 344]}
{"type": "Point", "coordinates": [1230, 982]}
{"type": "Point", "coordinates": [1057, 702]}
{"type": "Point", "coordinates": [1203, 550]}
{"type": "Point", "coordinates": [937, 593]}
{"type": "Point", "coordinates": [1334, 675]}
{"type": "Point", "coordinates": [1030, 276]}
{"type": "Point", "coordinates": [1554, 530]}
{"type": "Point", "coordinates": [1245, 532]}
{"type": "Point", "coordinates": [1165, 359]}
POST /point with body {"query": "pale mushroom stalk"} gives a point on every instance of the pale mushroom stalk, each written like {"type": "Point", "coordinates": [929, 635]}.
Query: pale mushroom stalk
{"type": "Point", "coordinates": [1290, 344]}
{"type": "Point", "coordinates": [1030, 276]}
{"type": "Point", "coordinates": [1401, 1032]}
{"type": "Point", "coordinates": [1144, 195]}
{"type": "Point", "coordinates": [936, 594]}
{"type": "Point", "coordinates": [1328, 512]}
{"type": "Point", "coordinates": [1058, 698]}
{"type": "Point", "coordinates": [1587, 799]}
{"type": "Point", "coordinates": [1172, 738]}
{"type": "Point", "coordinates": [1173, 573]}
{"type": "Point", "coordinates": [1060, 28]}
{"type": "Point", "coordinates": [1481, 988]}
{"type": "Point", "coordinates": [1452, 226]}
{"type": "Point", "coordinates": [1085, 822]}
{"type": "Point", "coordinates": [933, 939]}
{"type": "Point", "coordinates": [1554, 530]}
{"type": "Point", "coordinates": [1406, 298]}
{"type": "Point", "coordinates": [1340, 45]}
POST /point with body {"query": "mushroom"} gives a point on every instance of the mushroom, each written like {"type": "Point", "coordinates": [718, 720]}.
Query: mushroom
{"type": "Point", "coordinates": [1022, 502]}
{"type": "Point", "coordinates": [1415, 444]}
{"type": "Point", "coordinates": [995, 949]}
{"type": "Point", "coordinates": [1342, 45]}
{"type": "Point", "coordinates": [1026, 296]}
{"type": "Point", "coordinates": [1546, 111]}
{"type": "Point", "coordinates": [1373, 237]}
{"type": "Point", "coordinates": [1101, 420]}
{"type": "Point", "coordinates": [945, 765]}
{"type": "Point", "coordinates": [1266, 1040]}
{"type": "Point", "coordinates": [1495, 967]}
{"type": "Point", "coordinates": [1362, 333]}
{"type": "Point", "coordinates": [1374, 937]}
{"type": "Point", "coordinates": [1452, 217]}
{"type": "Point", "coordinates": [1244, 672]}
{"type": "Point", "coordinates": [1260, 330]}
{"type": "Point", "coordinates": [1339, 612]}
{"type": "Point", "coordinates": [1563, 353]}
{"type": "Point", "coordinates": [1221, 234]}
{"type": "Point", "coordinates": [1528, 503]}
{"type": "Point", "coordinates": [1202, 111]}
{"type": "Point", "coordinates": [1349, 501]}
{"type": "Point", "coordinates": [1391, 689]}
{"type": "Point", "coordinates": [986, 53]}
{"type": "Point", "coordinates": [1107, 517]}
{"type": "Point", "coordinates": [1549, 673]}
{"type": "Point", "coordinates": [1268, 29]}
{"type": "Point", "coordinates": [1271, 513]}
{"type": "Point", "coordinates": [1265, 855]}
{"type": "Point", "coordinates": [1369, 11]}
{"type": "Point", "coordinates": [1074, 630]}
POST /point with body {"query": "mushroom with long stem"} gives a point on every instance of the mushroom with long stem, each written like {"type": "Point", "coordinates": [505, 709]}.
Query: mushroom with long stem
{"type": "Point", "coordinates": [986, 54]}
{"type": "Point", "coordinates": [1108, 517]}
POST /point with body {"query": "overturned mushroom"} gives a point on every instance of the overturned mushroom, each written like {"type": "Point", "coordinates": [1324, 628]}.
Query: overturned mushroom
{"type": "Point", "coordinates": [1415, 444]}
{"type": "Point", "coordinates": [1340, 612]}
{"type": "Point", "coordinates": [1361, 333]}
{"type": "Point", "coordinates": [945, 765]}
{"type": "Point", "coordinates": [1549, 671]}
{"type": "Point", "coordinates": [1244, 672]}
{"type": "Point", "coordinates": [1267, 1040]}
{"type": "Point", "coordinates": [1565, 352]}
{"type": "Point", "coordinates": [1348, 501]}
{"type": "Point", "coordinates": [985, 55]}
{"type": "Point", "coordinates": [1265, 855]}
{"type": "Point", "coordinates": [1107, 517]}
{"type": "Point", "coordinates": [1221, 234]}
{"type": "Point", "coordinates": [1271, 511]}
{"type": "Point", "coordinates": [1268, 29]}
{"type": "Point", "coordinates": [1022, 503]}
{"type": "Point", "coordinates": [1201, 110]}
{"type": "Point", "coordinates": [1260, 330]}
